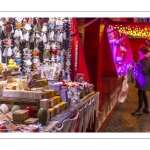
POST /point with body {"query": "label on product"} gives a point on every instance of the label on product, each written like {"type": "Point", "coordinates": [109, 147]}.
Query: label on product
{"type": "Point", "coordinates": [50, 126]}
{"type": "Point", "coordinates": [12, 127]}
{"type": "Point", "coordinates": [2, 116]}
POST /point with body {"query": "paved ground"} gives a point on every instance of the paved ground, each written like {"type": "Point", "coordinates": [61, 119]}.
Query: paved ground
{"type": "Point", "coordinates": [123, 121]}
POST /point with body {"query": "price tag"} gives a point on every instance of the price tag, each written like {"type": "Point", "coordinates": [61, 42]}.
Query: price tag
{"type": "Point", "coordinates": [12, 127]}
{"type": "Point", "coordinates": [9, 115]}
{"type": "Point", "coordinates": [50, 126]}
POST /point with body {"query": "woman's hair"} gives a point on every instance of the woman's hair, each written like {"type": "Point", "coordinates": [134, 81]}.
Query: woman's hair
{"type": "Point", "coordinates": [144, 49]}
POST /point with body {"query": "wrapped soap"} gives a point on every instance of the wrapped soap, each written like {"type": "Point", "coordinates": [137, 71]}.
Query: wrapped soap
{"type": "Point", "coordinates": [27, 94]}
{"type": "Point", "coordinates": [63, 95]}
{"type": "Point", "coordinates": [46, 95]}
{"type": "Point", "coordinates": [41, 83]}
{"type": "Point", "coordinates": [7, 94]}
{"type": "Point", "coordinates": [53, 101]}
{"type": "Point", "coordinates": [56, 88]}
{"type": "Point", "coordinates": [56, 109]}
{"type": "Point", "coordinates": [62, 105]}
{"type": "Point", "coordinates": [38, 94]}
{"type": "Point", "coordinates": [44, 104]}
{"type": "Point", "coordinates": [11, 93]}
{"type": "Point", "coordinates": [31, 121]}
{"type": "Point", "coordinates": [51, 112]}
{"type": "Point", "coordinates": [51, 93]}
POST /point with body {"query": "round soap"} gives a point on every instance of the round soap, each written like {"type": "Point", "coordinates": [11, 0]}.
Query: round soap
{"type": "Point", "coordinates": [14, 108]}
{"type": "Point", "coordinates": [31, 112]}
{"type": "Point", "coordinates": [4, 109]}
{"type": "Point", "coordinates": [42, 115]}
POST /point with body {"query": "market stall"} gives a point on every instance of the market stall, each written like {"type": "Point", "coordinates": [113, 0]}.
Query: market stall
{"type": "Point", "coordinates": [48, 90]}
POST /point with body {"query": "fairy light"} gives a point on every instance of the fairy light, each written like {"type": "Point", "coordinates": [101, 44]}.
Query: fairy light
{"type": "Point", "coordinates": [133, 31]}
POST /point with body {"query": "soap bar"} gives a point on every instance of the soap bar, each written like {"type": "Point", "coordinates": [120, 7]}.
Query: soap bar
{"type": "Point", "coordinates": [53, 101]}
{"type": "Point", "coordinates": [51, 112]}
{"type": "Point", "coordinates": [11, 93]}
{"type": "Point", "coordinates": [27, 94]}
{"type": "Point", "coordinates": [31, 94]}
{"type": "Point", "coordinates": [31, 121]}
{"type": "Point", "coordinates": [44, 103]}
{"type": "Point", "coordinates": [56, 109]}
{"type": "Point", "coordinates": [56, 88]}
{"type": "Point", "coordinates": [63, 95]}
{"type": "Point", "coordinates": [62, 105]}
{"type": "Point", "coordinates": [38, 94]}
{"type": "Point", "coordinates": [51, 92]}
{"type": "Point", "coordinates": [46, 95]}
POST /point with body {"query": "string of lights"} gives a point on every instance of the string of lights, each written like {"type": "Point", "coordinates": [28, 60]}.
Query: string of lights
{"type": "Point", "coordinates": [132, 30]}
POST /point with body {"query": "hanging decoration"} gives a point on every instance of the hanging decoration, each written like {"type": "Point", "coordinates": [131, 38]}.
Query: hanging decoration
{"type": "Point", "coordinates": [41, 44]}
{"type": "Point", "coordinates": [76, 56]}
{"type": "Point", "coordinates": [118, 44]}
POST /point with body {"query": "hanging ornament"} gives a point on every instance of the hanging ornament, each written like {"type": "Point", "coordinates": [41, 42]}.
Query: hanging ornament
{"type": "Point", "coordinates": [45, 20]}
{"type": "Point", "coordinates": [76, 56]}
{"type": "Point", "coordinates": [34, 21]}
{"type": "Point", "coordinates": [40, 22]}
{"type": "Point", "coordinates": [19, 19]}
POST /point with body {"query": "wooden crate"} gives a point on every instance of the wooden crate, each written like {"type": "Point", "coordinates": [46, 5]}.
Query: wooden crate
{"type": "Point", "coordinates": [22, 103]}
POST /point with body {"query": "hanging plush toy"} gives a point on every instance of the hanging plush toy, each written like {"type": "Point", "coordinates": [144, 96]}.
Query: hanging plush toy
{"type": "Point", "coordinates": [27, 29]}
{"type": "Point", "coordinates": [43, 34]}
{"type": "Point", "coordinates": [18, 34]}
{"type": "Point", "coordinates": [8, 44]}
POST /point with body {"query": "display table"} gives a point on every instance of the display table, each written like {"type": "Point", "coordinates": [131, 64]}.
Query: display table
{"type": "Point", "coordinates": [75, 118]}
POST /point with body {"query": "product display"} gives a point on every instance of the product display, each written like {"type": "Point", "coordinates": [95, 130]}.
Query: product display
{"type": "Point", "coordinates": [40, 49]}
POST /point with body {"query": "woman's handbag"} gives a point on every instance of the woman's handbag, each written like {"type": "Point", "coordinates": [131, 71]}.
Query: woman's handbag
{"type": "Point", "coordinates": [139, 78]}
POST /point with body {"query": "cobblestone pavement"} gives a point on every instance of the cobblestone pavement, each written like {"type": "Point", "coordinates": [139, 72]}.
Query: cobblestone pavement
{"type": "Point", "coordinates": [123, 121]}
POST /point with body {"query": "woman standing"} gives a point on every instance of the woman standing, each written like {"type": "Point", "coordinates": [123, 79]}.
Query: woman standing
{"type": "Point", "coordinates": [143, 79]}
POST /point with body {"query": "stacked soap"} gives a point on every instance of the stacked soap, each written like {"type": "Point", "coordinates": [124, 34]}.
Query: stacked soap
{"type": "Point", "coordinates": [56, 87]}
{"type": "Point", "coordinates": [53, 105]}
